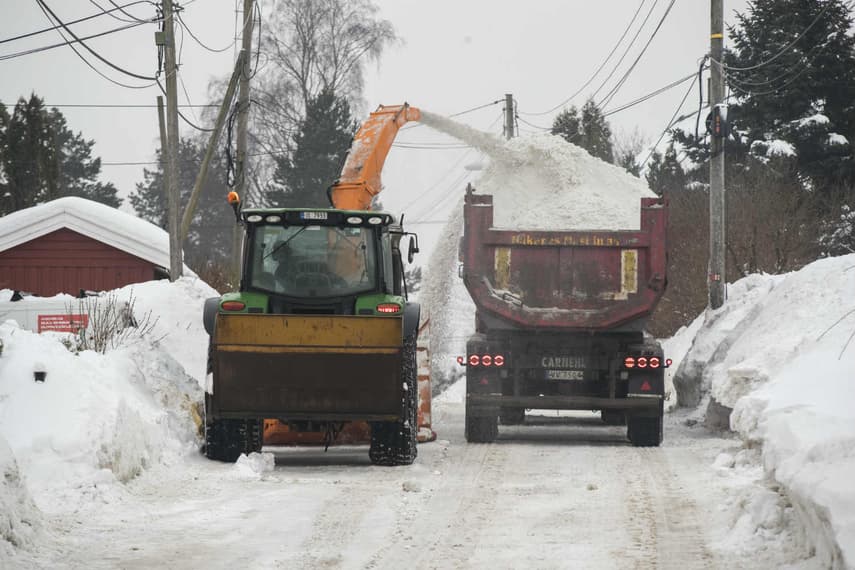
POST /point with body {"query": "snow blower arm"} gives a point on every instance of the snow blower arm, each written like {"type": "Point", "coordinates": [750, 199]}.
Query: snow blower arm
{"type": "Point", "coordinates": [360, 176]}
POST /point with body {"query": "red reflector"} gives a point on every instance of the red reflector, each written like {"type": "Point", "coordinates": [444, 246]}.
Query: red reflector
{"type": "Point", "coordinates": [487, 360]}
{"type": "Point", "coordinates": [645, 387]}
{"type": "Point", "coordinates": [668, 362]}
{"type": "Point", "coordinates": [629, 362]}
{"type": "Point", "coordinates": [654, 362]}
{"type": "Point", "coordinates": [233, 306]}
{"type": "Point", "coordinates": [388, 308]}
{"type": "Point", "coordinates": [499, 360]}
{"type": "Point", "coordinates": [474, 360]}
{"type": "Point", "coordinates": [642, 362]}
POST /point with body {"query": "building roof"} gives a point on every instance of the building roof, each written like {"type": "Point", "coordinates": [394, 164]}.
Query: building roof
{"type": "Point", "coordinates": [106, 224]}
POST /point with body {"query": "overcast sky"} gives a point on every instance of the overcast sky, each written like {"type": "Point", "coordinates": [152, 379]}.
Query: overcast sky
{"type": "Point", "coordinates": [453, 55]}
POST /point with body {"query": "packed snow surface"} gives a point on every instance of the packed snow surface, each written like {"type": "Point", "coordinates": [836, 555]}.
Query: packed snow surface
{"type": "Point", "coordinates": [543, 182]}
{"type": "Point", "coordinates": [780, 353]}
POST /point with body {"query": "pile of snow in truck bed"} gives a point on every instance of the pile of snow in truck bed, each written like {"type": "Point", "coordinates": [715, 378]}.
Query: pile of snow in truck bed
{"type": "Point", "coordinates": [542, 182]}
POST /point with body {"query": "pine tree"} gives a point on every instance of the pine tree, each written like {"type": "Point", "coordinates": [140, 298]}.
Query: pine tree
{"type": "Point", "coordinates": [664, 173]}
{"type": "Point", "coordinates": [320, 147]}
{"type": "Point", "coordinates": [41, 159]}
{"type": "Point", "coordinates": [802, 93]}
{"type": "Point", "coordinates": [210, 234]}
{"type": "Point", "coordinates": [591, 131]}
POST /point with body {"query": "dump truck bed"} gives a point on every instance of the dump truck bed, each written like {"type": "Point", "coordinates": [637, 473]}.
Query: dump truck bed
{"type": "Point", "coordinates": [563, 280]}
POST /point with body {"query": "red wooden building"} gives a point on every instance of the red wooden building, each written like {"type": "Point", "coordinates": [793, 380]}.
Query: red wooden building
{"type": "Point", "coordinates": [71, 244]}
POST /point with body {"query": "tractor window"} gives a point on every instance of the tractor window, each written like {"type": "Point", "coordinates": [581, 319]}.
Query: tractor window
{"type": "Point", "coordinates": [314, 261]}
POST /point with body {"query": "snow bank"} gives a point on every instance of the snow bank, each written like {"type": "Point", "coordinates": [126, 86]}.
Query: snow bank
{"type": "Point", "coordinates": [777, 354]}
{"type": "Point", "coordinates": [542, 182]}
{"type": "Point", "coordinates": [100, 420]}
{"type": "Point", "coordinates": [20, 520]}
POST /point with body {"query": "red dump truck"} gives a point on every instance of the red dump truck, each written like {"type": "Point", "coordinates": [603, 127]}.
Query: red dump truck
{"type": "Point", "coordinates": [560, 319]}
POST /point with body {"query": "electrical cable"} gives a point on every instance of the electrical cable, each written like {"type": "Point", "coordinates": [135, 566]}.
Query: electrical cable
{"type": "Point", "coordinates": [65, 43]}
{"type": "Point", "coordinates": [86, 61]}
{"type": "Point", "coordinates": [610, 95]}
{"type": "Point", "coordinates": [200, 42]}
{"type": "Point", "coordinates": [180, 114]}
{"type": "Point", "coordinates": [626, 51]}
{"type": "Point", "coordinates": [597, 72]}
{"type": "Point", "coordinates": [123, 11]}
{"type": "Point", "coordinates": [671, 123]}
{"type": "Point", "coordinates": [72, 22]}
{"type": "Point", "coordinates": [44, 6]}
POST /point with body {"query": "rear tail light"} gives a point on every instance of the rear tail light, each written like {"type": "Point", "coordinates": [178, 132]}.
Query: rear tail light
{"type": "Point", "coordinates": [482, 360]}
{"type": "Point", "coordinates": [629, 362]}
{"type": "Point", "coordinates": [642, 362]}
{"type": "Point", "coordinates": [388, 308]}
{"type": "Point", "coordinates": [233, 306]}
{"type": "Point", "coordinates": [654, 362]}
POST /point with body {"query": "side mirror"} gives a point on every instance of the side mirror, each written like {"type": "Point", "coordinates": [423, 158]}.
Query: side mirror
{"type": "Point", "coordinates": [414, 247]}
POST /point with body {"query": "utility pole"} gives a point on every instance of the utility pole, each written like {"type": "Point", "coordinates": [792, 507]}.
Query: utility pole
{"type": "Point", "coordinates": [172, 198]}
{"type": "Point", "coordinates": [509, 116]}
{"type": "Point", "coordinates": [718, 129]}
{"type": "Point", "coordinates": [242, 122]}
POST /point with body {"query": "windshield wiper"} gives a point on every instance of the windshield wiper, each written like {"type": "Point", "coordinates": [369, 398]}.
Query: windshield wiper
{"type": "Point", "coordinates": [284, 243]}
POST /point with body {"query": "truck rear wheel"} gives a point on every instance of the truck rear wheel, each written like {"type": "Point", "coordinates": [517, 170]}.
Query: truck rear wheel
{"type": "Point", "coordinates": [645, 431]}
{"type": "Point", "coordinates": [226, 440]}
{"type": "Point", "coordinates": [394, 443]}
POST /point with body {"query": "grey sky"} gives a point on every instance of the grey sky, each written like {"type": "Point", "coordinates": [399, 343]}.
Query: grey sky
{"type": "Point", "coordinates": [453, 56]}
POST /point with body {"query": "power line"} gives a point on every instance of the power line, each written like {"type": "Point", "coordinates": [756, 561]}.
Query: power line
{"type": "Point", "coordinates": [45, 7]}
{"type": "Point", "coordinates": [597, 72]}
{"type": "Point", "coordinates": [180, 114]}
{"type": "Point", "coordinates": [87, 18]}
{"type": "Point", "coordinates": [64, 43]}
{"type": "Point", "coordinates": [650, 95]}
{"type": "Point", "coordinates": [671, 123]}
{"type": "Point", "coordinates": [117, 106]}
{"type": "Point", "coordinates": [610, 95]}
{"type": "Point", "coordinates": [86, 61]}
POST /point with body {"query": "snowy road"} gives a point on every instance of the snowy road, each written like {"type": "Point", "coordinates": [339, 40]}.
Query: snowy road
{"type": "Point", "coordinates": [562, 493]}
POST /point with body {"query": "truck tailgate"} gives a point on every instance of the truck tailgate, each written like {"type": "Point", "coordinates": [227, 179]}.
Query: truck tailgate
{"type": "Point", "coordinates": [307, 367]}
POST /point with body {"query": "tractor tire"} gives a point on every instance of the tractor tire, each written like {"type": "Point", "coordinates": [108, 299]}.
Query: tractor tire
{"type": "Point", "coordinates": [512, 416]}
{"type": "Point", "coordinates": [394, 443]}
{"type": "Point", "coordinates": [645, 431]}
{"type": "Point", "coordinates": [613, 417]}
{"type": "Point", "coordinates": [226, 440]}
{"type": "Point", "coordinates": [483, 429]}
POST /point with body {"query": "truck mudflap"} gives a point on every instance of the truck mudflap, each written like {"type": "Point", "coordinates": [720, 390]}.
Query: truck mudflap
{"type": "Point", "coordinates": [318, 367]}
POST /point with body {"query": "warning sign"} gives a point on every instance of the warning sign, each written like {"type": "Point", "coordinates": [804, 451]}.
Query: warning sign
{"type": "Point", "coordinates": [63, 323]}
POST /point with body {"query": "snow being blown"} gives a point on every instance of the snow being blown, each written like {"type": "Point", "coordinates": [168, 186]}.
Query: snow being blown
{"type": "Point", "coordinates": [543, 182]}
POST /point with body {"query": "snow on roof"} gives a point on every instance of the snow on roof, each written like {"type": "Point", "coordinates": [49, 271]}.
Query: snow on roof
{"type": "Point", "coordinates": [98, 221]}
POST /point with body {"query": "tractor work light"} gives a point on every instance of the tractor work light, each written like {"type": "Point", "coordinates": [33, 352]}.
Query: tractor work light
{"type": "Point", "coordinates": [273, 219]}
{"type": "Point", "coordinates": [253, 218]}
{"type": "Point", "coordinates": [354, 220]}
{"type": "Point", "coordinates": [374, 220]}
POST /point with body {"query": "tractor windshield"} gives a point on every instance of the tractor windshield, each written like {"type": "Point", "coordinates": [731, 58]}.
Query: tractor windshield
{"type": "Point", "coordinates": [314, 261]}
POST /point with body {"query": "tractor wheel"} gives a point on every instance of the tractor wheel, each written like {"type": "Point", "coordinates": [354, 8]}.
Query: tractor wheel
{"type": "Point", "coordinates": [226, 440]}
{"type": "Point", "coordinates": [394, 443]}
{"type": "Point", "coordinates": [512, 416]}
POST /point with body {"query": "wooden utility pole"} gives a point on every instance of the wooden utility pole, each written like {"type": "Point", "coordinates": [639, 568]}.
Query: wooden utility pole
{"type": "Point", "coordinates": [172, 198]}
{"type": "Point", "coordinates": [509, 116]}
{"type": "Point", "coordinates": [718, 116]}
{"type": "Point", "coordinates": [243, 121]}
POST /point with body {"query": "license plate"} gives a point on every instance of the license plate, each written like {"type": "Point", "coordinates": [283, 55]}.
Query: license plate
{"type": "Point", "coordinates": [313, 215]}
{"type": "Point", "coordinates": [565, 374]}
